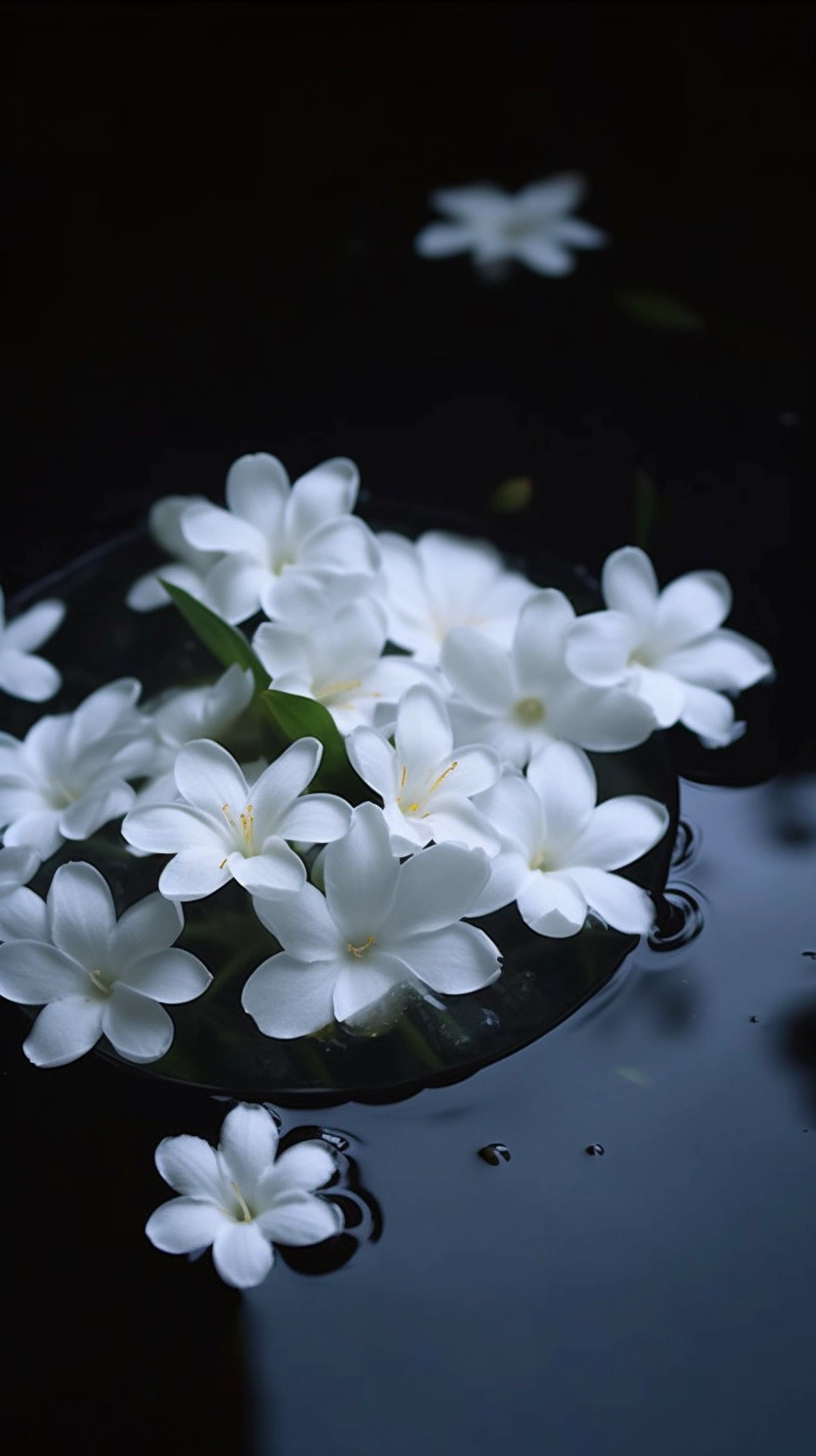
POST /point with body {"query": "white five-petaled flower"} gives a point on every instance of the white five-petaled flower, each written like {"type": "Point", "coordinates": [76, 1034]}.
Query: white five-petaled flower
{"type": "Point", "coordinates": [22, 673]}
{"type": "Point", "coordinates": [425, 786]}
{"type": "Point", "coordinates": [443, 581]}
{"type": "Point", "coordinates": [98, 976]}
{"type": "Point", "coordinates": [520, 700]}
{"type": "Point", "coordinates": [380, 928]}
{"type": "Point", "coordinates": [340, 664]}
{"type": "Point", "coordinates": [240, 1198]}
{"type": "Point", "coordinates": [293, 551]}
{"type": "Point", "coordinates": [67, 777]}
{"type": "Point", "coordinates": [533, 227]}
{"type": "Point", "coordinates": [219, 827]}
{"type": "Point", "coordinates": [560, 849]}
{"type": "Point", "coordinates": [190, 568]}
{"type": "Point", "coordinates": [668, 647]}
{"type": "Point", "coordinates": [187, 714]}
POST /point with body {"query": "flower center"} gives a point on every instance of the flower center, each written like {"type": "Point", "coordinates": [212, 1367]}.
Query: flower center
{"type": "Point", "coordinates": [338, 690]}
{"type": "Point", "coordinates": [97, 979]}
{"type": "Point", "coordinates": [530, 710]}
{"type": "Point", "coordinates": [246, 1214]}
{"type": "Point", "coordinates": [60, 797]}
{"type": "Point", "coordinates": [244, 829]}
{"type": "Point", "coordinates": [640, 657]}
{"type": "Point", "coordinates": [420, 799]}
{"type": "Point", "coordinates": [358, 951]}
{"type": "Point", "coordinates": [541, 861]}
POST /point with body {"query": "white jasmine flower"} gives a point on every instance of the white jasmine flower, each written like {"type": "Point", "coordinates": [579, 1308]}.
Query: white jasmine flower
{"type": "Point", "coordinates": [381, 926]}
{"type": "Point", "coordinates": [188, 714]}
{"type": "Point", "coordinates": [559, 848]}
{"type": "Point", "coordinates": [68, 775]}
{"type": "Point", "coordinates": [442, 581]}
{"type": "Point", "coordinates": [17, 867]}
{"type": "Point", "coordinates": [291, 550]}
{"type": "Point", "coordinates": [190, 568]}
{"type": "Point", "coordinates": [425, 786]}
{"type": "Point", "coordinates": [99, 976]}
{"type": "Point", "coordinates": [241, 1198]}
{"type": "Point", "coordinates": [669, 647]}
{"type": "Point", "coordinates": [220, 827]}
{"type": "Point", "coordinates": [22, 673]}
{"type": "Point", "coordinates": [340, 664]}
{"type": "Point", "coordinates": [522, 699]}
{"type": "Point", "coordinates": [534, 227]}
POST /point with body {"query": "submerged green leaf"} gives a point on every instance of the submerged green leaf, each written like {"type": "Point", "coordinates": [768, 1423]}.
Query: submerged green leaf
{"type": "Point", "coordinates": [659, 310]}
{"type": "Point", "coordinates": [298, 717]}
{"type": "Point", "coordinates": [222, 640]}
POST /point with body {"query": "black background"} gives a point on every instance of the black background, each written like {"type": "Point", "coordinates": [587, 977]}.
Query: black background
{"type": "Point", "coordinates": [208, 216]}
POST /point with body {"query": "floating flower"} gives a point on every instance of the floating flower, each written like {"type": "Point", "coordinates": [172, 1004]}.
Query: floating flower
{"type": "Point", "coordinates": [191, 567]}
{"type": "Point", "coordinates": [340, 665]}
{"type": "Point", "coordinates": [240, 1198]}
{"type": "Point", "coordinates": [68, 775]}
{"type": "Point", "coordinates": [442, 581]}
{"type": "Point", "coordinates": [293, 551]}
{"type": "Point", "coordinates": [533, 227]}
{"type": "Point", "coordinates": [22, 673]}
{"type": "Point", "coordinates": [520, 700]}
{"type": "Point", "coordinates": [560, 849]}
{"type": "Point", "coordinates": [220, 828]}
{"type": "Point", "coordinates": [425, 786]}
{"type": "Point", "coordinates": [185, 715]}
{"type": "Point", "coordinates": [380, 928]}
{"type": "Point", "coordinates": [668, 647]}
{"type": "Point", "coordinates": [99, 976]}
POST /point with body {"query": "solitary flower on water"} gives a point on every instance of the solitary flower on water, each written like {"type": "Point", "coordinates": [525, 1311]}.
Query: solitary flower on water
{"type": "Point", "coordinates": [533, 227]}
{"type": "Point", "coordinates": [560, 849]}
{"type": "Point", "coordinates": [98, 976]}
{"type": "Point", "coordinates": [22, 674]}
{"type": "Point", "coordinates": [381, 927]}
{"type": "Point", "coordinates": [668, 647]}
{"type": "Point", "coordinates": [219, 827]}
{"type": "Point", "coordinates": [240, 1198]}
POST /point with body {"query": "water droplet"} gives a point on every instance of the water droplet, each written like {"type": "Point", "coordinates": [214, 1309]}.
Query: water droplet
{"type": "Point", "coordinates": [335, 1140]}
{"type": "Point", "coordinates": [686, 844]}
{"type": "Point", "coordinates": [753, 1018]}
{"type": "Point", "coordinates": [679, 920]}
{"type": "Point", "coordinates": [595, 1150]}
{"type": "Point", "coordinates": [494, 1153]}
{"type": "Point", "coordinates": [811, 954]}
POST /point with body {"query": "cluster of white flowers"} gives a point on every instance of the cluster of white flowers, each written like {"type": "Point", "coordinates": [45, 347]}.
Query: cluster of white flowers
{"type": "Point", "coordinates": [456, 695]}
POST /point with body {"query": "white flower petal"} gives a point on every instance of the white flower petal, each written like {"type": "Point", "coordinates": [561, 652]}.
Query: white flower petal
{"type": "Point", "coordinates": [479, 670]}
{"type": "Point", "coordinates": [173, 976]}
{"type": "Point", "coordinates": [662, 692]}
{"type": "Point", "coordinates": [17, 867]}
{"type": "Point", "coordinates": [301, 1220]}
{"type": "Point", "coordinates": [211, 528]}
{"type": "Point", "coordinates": [81, 914]}
{"type": "Point", "coordinates": [278, 870]}
{"type": "Point", "coordinates": [96, 807]}
{"type": "Point", "coordinates": [137, 1027]}
{"type": "Point", "coordinates": [564, 781]}
{"type": "Point", "coordinates": [191, 1166]}
{"type": "Point", "coordinates": [604, 720]}
{"type": "Point", "coordinates": [543, 255]}
{"type": "Point", "coordinates": [184, 1224]}
{"type": "Point", "coordinates": [316, 819]}
{"type": "Point", "coordinates": [361, 875]}
{"type": "Point", "coordinates": [553, 195]}
{"type": "Point", "coordinates": [710, 715]}
{"type": "Point", "coordinates": [167, 828]}
{"type": "Point", "coordinates": [280, 784]}
{"type": "Point", "coordinates": [193, 874]}
{"type": "Point", "coordinates": [302, 923]}
{"type": "Point", "coordinates": [288, 998]}
{"type": "Point", "coordinates": [724, 661]}
{"type": "Point", "coordinates": [241, 1254]}
{"type": "Point", "coordinates": [208, 776]}
{"type": "Point", "coordinates": [508, 871]}
{"type": "Point", "coordinates": [257, 490]}
{"type": "Point", "coordinates": [551, 904]}
{"type": "Point", "coordinates": [26, 676]}
{"type": "Point", "coordinates": [621, 904]}
{"type": "Point", "coordinates": [247, 1146]}
{"type": "Point", "coordinates": [32, 972]}
{"type": "Point", "coordinates": [453, 960]}
{"type": "Point", "coordinates": [423, 735]}
{"type": "Point", "coordinates": [233, 588]}
{"type": "Point", "coordinates": [28, 631]}
{"type": "Point", "coordinates": [539, 642]}
{"type": "Point", "coordinates": [152, 924]}
{"type": "Point", "coordinates": [362, 983]}
{"type": "Point", "coordinates": [471, 203]}
{"type": "Point", "coordinates": [619, 831]}
{"type": "Point", "coordinates": [599, 646]}
{"type": "Point", "coordinates": [443, 240]}
{"type": "Point", "coordinates": [690, 607]}
{"type": "Point", "coordinates": [578, 234]}
{"type": "Point", "coordinates": [629, 584]}
{"type": "Point", "coordinates": [374, 760]}
{"type": "Point", "coordinates": [453, 819]}
{"type": "Point", "coordinates": [435, 888]}
{"type": "Point", "coordinates": [38, 831]}
{"type": "Point", "coordinates": [322, 494]}
{"type": "Point", "coordinates": [22, 916]}
{"type": "Point", "coordinates": [64, 1031]}
{"type": "Point", "coordinates": [514, 809]}
{"type": "Point", "coordinates": [302, 1168]}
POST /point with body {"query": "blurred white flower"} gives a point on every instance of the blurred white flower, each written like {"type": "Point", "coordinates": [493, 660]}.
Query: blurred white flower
{"type": "Point", "coordinates": [381, 927]}
{"type": "Point", "coordinates": [443, 581]}
{"type": "Point", "coordinates": [220, 827]}
{"type": "Point", "coordinates": [67, 777]}
{"type": "Point", "coordinates": [560, 849]}
{"type": "Point", "coordinates": [240, 1198]}
{"type": "Point", "coordinates": [190, 567]}
{"type": "Point", "coordinates": [668, 647]}
{"type": "Point", "coordinates": [187, 714]}
{"type": "Point", "coordinates": [20, 908]}
{"type": "Point", "coordinates": [533, 227]}
{"type": "Point", "coordinates": [99, 976]}
{"type": "Point", "coordinates": [520, 700]}
{"type": "Point", "coordinates": [292, 551]}
{"type": "Point", "coordinates": [22, 673]}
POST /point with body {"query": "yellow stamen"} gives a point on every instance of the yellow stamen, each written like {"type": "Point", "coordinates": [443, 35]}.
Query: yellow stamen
{"type": "Point", "coordinates": [360, 950]}
{"type": "Point", "coordinates": [225, 810]}
{"type": "Point", "coordinates": [96, 977]}
{"type": "Point", "coordinates": [442, 777]}
{"type": "Point", "coordinates": [404, 775]}
{"type": "Point", "coordinates": [246, 1216]}
{"type": "Point", "coordinates": [338, 687]}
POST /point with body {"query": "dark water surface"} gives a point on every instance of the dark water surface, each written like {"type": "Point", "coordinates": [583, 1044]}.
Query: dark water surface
{"type": "Point", "coordinates": [208, 219]}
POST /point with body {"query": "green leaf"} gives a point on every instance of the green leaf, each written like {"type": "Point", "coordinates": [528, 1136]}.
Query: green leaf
{"type": "Point", "coordinates": [298, 717]}
{"type": "Point", "coordinates": [659, 310]}
{"type": "Point", "coordinates": [223, 641]}
{"type": "Point", "coordinates": [512, 496]}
